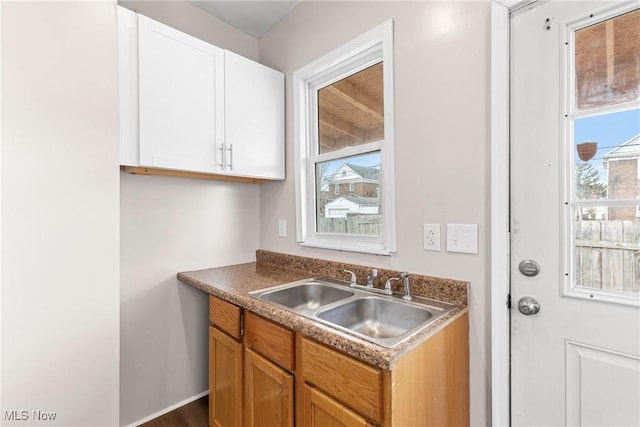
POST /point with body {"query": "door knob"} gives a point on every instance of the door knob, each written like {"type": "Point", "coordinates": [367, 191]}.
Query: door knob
{"type": "Point", "coordinates": [528, 306]}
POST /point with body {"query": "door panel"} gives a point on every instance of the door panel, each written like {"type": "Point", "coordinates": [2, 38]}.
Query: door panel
{"type": "Point", "coordinates": [181, 99]}
{"type": "Point", "coordinates": [588, 403]}
{"type": "Point", "coordinates": [268, 393]}
{"type": "Point", "coordinates": [225, 380]}
{"type": "Point", "coordinates": [582, 347]}
{"type": "Point", "coordinates": [319, 410]}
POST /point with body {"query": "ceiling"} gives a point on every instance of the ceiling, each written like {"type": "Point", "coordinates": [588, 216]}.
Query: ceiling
{"type": "Point", "coordinates": [252, 17]}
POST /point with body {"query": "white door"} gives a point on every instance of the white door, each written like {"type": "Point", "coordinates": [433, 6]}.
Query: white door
{"type": "Point", "coordinates": [181, 99]}
{"type": "Point", "coordinates": [574, 213]}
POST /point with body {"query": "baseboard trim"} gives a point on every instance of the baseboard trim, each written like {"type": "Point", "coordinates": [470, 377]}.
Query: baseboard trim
{"type": "Point", "coordinates": [169, 409]}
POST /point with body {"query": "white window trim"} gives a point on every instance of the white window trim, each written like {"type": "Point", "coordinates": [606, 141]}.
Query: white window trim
{"type": "Point", "coordinates": [340, 64]}
{"type": "Point", "coordinates": [569, 288]}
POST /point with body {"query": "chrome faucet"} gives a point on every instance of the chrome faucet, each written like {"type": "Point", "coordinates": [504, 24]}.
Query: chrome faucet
{"type": "Point", "coordinates": [372, 277]}
{"type": "Point", "coordinates": [369, 287]}
{"type": "Point", "coordinates": [405, 283]}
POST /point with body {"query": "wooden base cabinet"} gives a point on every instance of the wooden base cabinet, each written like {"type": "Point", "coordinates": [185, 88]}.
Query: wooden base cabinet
{"type": "Point", "coordinates": [428, 386]}
{"type": "Point", "coordinates": [262, 374]}
{"type": "Point", "coordinates": [319, 410]}
{"type": "Point", "coordinates": [268, 393]}
{"type": "Point", "coordinates": [225, 380]}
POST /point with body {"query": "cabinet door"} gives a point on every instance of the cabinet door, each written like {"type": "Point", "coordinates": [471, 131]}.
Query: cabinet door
{"type": "Point", "coordinates": [225, 380]}
{"type": "Point", "coordinates": [181, 99]}
{"type": "Point", "coordinates": [268, 393]}
{"type": "Point", "coordinates": [319, 410]}
{"type": "Point", "coordinates": [128, 85]}
{"type": "Point", "coordinates": [254, 119]}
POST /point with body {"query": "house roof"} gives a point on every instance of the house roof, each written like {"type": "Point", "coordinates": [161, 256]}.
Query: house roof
{"type": "Point", "coordinates": [365, 172]}
{"type": "Point", "coordinates": [629, 149]}
{"type": "Point", "coordinates": [362, 201]}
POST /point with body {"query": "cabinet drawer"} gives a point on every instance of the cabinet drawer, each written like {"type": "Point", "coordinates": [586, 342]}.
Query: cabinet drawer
{"type": "Point", "coordinates": [352, 382]}
{"type": "Point", "coordinates": [225, 316]}
{"type": "Point", "coordinates": [272, 341]}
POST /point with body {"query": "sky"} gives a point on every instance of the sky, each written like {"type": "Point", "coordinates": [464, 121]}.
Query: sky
{"type": "Point", "coordinates": [609, 131]}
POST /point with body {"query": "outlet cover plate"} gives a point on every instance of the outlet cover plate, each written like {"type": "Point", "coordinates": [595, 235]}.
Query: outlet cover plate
{"type": "Point", "coordinates": [462, 238]}
{"type": "Point", "coordinates": [431, 237]}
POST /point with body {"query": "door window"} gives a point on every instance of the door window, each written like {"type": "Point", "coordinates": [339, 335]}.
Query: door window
{"type": "Point", "coordinates": [604, 127]}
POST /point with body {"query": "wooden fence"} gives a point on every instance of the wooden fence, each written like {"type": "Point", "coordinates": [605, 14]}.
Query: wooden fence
{"type": "Point", "coordinates": [369, 225]}
{"type": "Point", "coordinates": [608, 255]}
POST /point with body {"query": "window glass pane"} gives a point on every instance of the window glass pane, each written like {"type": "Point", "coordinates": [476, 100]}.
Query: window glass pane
{"type": "Point", "coordinates": [350, 111]}
{"type": "Point", "coordinates": [607, 153]}
{"type": "Point", "coordinates": [608, 251]}
{"type": "Point", "coordinates": [607, 58]}
{"type": "Point", "coordinates": [347, 195]}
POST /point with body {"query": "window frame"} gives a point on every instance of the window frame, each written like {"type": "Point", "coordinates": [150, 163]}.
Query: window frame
{"type": "Point", "coordinates": [374, 46]}
{"type": "Point", "coordinates": [570, 203]}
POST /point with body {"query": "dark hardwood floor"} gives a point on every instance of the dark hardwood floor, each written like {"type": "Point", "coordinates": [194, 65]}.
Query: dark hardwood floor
{"type": "Point", "coordinates": [194, 414]}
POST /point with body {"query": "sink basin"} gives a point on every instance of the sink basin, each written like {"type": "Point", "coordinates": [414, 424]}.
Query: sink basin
{"type": "Point", "coordinates": [376, 317]}
{"type": "Point", "coordinates": [384, 320]}
{"type": "Point", "coordinates": [307, 296]}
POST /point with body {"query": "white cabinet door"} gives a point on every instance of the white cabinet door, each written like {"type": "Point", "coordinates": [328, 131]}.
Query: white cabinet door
{"type": "Point", "coordinates": [128, 87]}
{"type": "Point", "coordinates": [254, 119]}
{"type": "Point", "coordinates": [181, 97]}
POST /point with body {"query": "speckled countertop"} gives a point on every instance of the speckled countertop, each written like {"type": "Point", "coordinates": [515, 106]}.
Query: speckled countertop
{"type": "Point", "coordinates": [233, 284]}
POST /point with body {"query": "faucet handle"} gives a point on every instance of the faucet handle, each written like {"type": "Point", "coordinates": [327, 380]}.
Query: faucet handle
{"type": "Point", "coordinates": [353, 276]}
{"type": "Point", "coordinates": [387, 284]}
{"type": "Point", "coordinates": [374, 272]}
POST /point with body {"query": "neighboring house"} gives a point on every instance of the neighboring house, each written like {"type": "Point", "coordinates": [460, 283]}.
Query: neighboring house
{"type": "Point", "coordinates": [351, 189]}
{"type": "Point", "coordinates": [343, 205]}
{"type": "Point", "coordinates": [363, 181]}
{"type": "Point", "coordinates": [623, 171]}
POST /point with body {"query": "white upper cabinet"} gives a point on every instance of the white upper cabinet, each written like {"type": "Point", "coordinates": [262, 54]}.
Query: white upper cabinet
{"type": "Point", "coordinates": [181, 96]}
{"type": "Point", "coordinates": [128, 86]}
{"type": "Point", "coordinates": [186, 105]}
{"type": "Point", "coordinates": [254, 122]}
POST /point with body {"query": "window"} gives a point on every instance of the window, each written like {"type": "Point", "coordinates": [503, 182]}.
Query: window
{"type": "Point", "coordinates": [343, 118]}
{"type": "Point", "coordinates": [603, 250]}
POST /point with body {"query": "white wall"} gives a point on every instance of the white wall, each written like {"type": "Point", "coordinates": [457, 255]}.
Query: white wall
{"type": "Point", "coordinates": [170, 225]}
{"type": "Point", "coordinates": [60, 212]}
{"type": "Point", "coordinates": [442, 52]}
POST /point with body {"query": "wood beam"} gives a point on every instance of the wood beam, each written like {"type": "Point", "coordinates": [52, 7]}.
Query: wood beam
{"type": "Point", "coordinates": [344, 127]}
{"type": "Point", "coordinates": [351, 100]}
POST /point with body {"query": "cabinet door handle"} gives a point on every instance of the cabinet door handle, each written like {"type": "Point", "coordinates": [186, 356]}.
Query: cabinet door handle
{"type": "Point", "coordinates": [230, 149]}
{"type": "Point", "coordinates": [221, 162]}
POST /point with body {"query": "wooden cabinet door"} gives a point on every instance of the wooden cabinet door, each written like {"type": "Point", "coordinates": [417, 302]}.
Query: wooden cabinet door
{"type": "Point", "coordinates": [319, 410]}
{"type": "Point", "coordinates": [254, 119]}
{"type": "Point", "coordinates": [268, 393]}
{"type": "Point", "coordinates": [181, 99]}
{"type": "Point", "coordinates": [225, 380]}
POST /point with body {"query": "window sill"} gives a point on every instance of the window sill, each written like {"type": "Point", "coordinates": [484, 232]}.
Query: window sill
{"type": "Point", "coordinates": [359, 247]}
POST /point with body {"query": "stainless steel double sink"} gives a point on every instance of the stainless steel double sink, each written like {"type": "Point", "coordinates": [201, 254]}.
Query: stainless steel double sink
{"type": "Point", "coordinates": [384, 320]}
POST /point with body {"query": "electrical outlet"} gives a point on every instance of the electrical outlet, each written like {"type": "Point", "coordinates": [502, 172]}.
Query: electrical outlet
{"type": "Point", "coordinates": [282, 228]}
{"type": "Point", "coordinates": [431, 233]}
